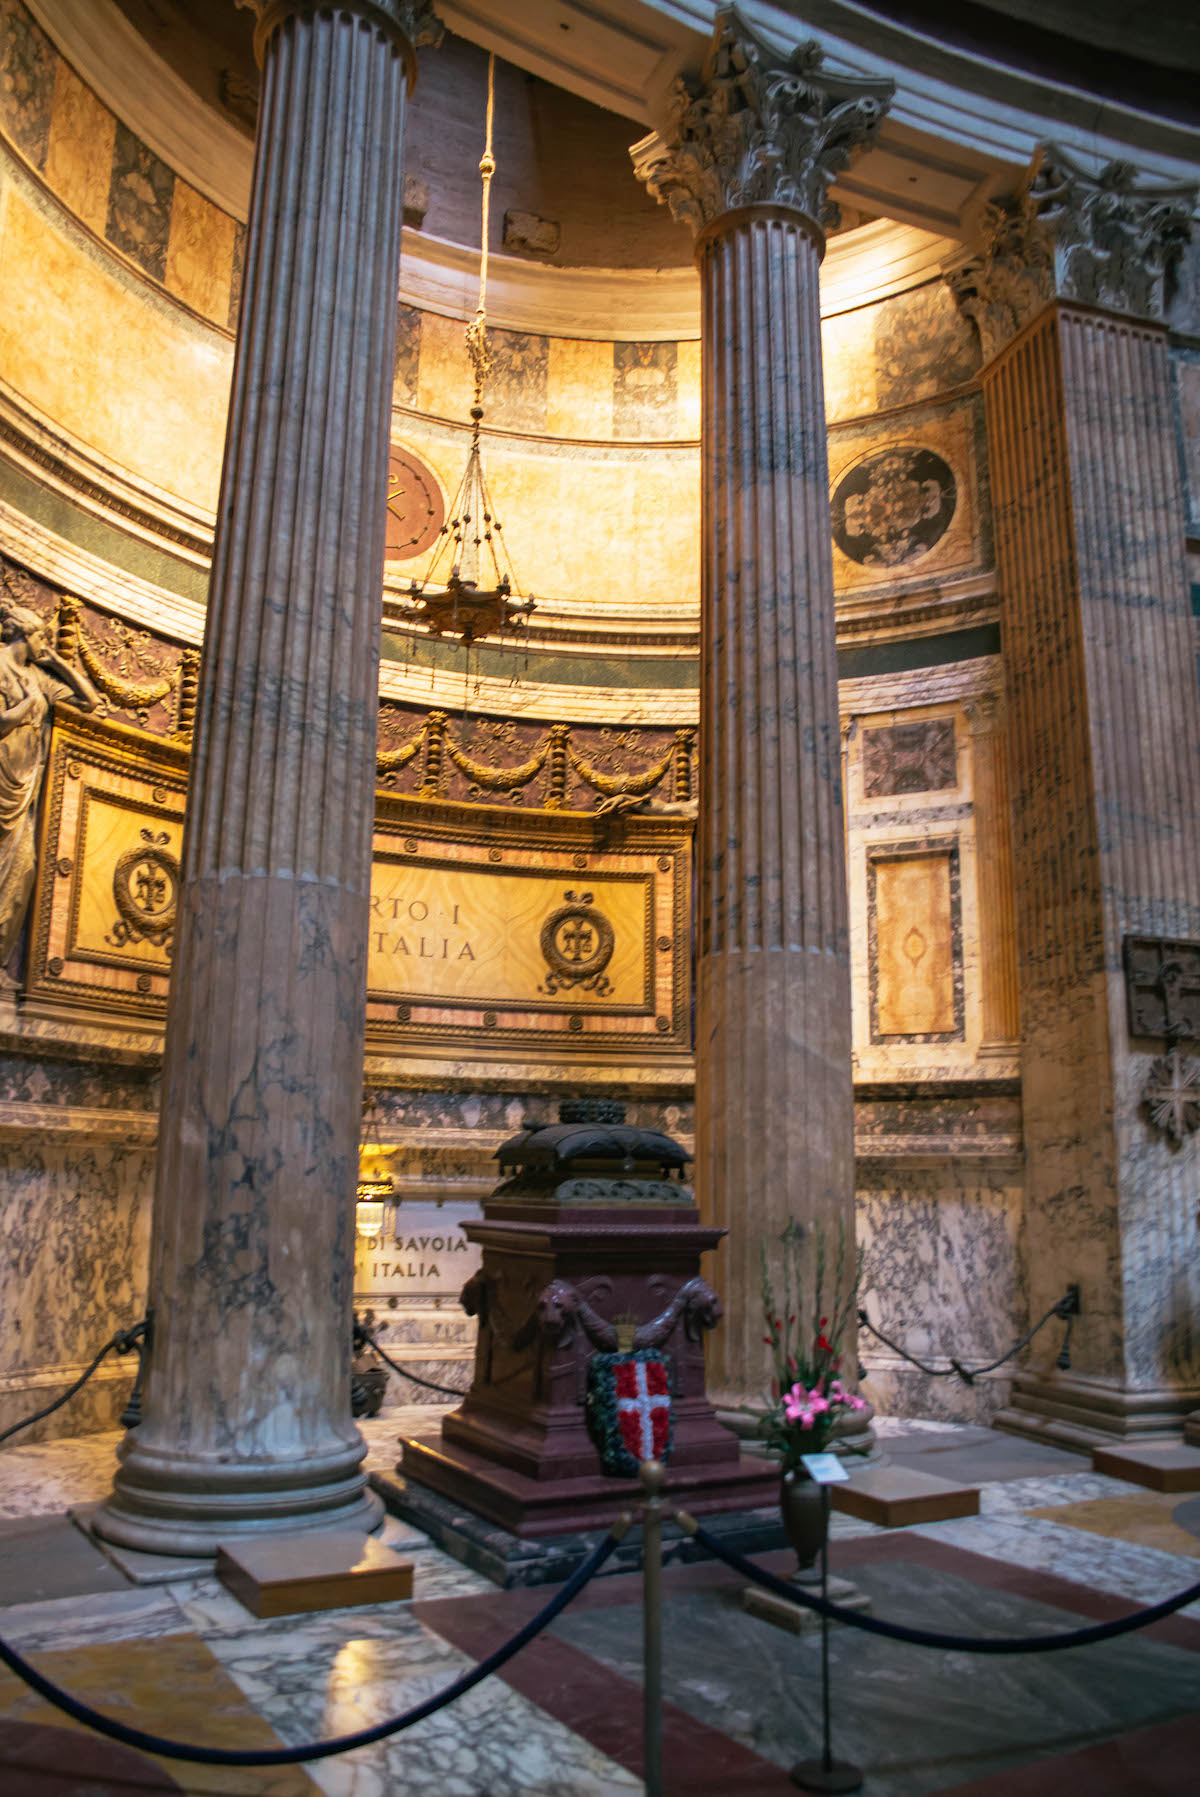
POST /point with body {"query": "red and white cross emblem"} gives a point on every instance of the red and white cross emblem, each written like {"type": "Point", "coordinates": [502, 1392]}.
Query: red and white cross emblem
{"type": "Point", "coordinates": [643, 1407]}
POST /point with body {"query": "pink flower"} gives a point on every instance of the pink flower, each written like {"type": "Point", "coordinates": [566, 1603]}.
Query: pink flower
{"type": "Point", "coordinates": [796, 1409]}
{"type": "Point", "coordinates": [816, 1402]}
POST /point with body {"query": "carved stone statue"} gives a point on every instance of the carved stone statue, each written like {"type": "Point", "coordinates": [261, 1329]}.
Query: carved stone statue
{"type": "Point", "coordinates": [33, 680]}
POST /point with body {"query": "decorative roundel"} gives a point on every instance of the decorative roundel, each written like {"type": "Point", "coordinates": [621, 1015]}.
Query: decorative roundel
{"type": "Point", "coordinates": [577, 943]}
{"type": "Point", "coordinates": [415, 509]}
{"type": "Point", "coordinates": [893, 507]}
{"type": "Point", "coordinates": [146, 890]}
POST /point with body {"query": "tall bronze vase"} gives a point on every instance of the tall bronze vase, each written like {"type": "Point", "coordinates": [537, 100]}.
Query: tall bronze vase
{"type": "Point", "coordinates": [804, 1516]}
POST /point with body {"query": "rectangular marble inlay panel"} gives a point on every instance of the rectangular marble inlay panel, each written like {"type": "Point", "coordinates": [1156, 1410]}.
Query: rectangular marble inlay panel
{"type": "Point", "coordinates": [913, 949]}
{"type": "Point", "coordinates": [914, 757]}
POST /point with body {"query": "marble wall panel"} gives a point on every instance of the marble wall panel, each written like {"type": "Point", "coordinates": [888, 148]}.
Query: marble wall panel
{"type": "Point", "coordinates": [79, 159]}
{"type": "Point", "coordinates": [444, 385]}
{"type": "Point", "coordinates": [140, 196]}
{"type": "Point", "coordinates": [645, 390]}
{"type": "Point", "coordinates": [237, 274]}
{"type": "Point", "coordinates": [74, 1244]}
{"type": "Point", "coordinates": [90, 347]}
{"type": "Point", "coordinates": [579, 399]}
{"type": "Point", "coordinates": [687, 389]}
{"type": "Point", "coordinates": [915, 932]}
{"type": "Point", "coordinates": [199, 265]}
{"type": "Point", "coordinates": [27, 68]}
{"type": "Point", "coordinates": [848, 359]}
{"type": "Point", "coordinates": [906, 498]}
{"type": "Point", "coordinates": [942, 1276]}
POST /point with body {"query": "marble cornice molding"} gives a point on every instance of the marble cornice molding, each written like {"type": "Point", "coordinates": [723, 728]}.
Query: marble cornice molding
{"type": "Point", "coordinates": [1103, 238]}
{"type": "Point", "coordinates": [411, 24]}
{"type": "Point", "coordinates": [762, 127]}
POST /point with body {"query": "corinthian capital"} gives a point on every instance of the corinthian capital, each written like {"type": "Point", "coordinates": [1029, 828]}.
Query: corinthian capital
{"type": "Point", "coordinates": [413, 21]}
{"type": "Point", "coordinates": [762, 127]}
{"type": "Point", "coordinates": [1104, 239]}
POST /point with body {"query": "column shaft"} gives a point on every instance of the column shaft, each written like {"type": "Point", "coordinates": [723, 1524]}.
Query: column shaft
{"type": "Point", "coordinates": [774, 1101]}
{"type": "Point", "coordinates": [247, 1421]}
{"type": "Point", "coordinates": [1105, 759]}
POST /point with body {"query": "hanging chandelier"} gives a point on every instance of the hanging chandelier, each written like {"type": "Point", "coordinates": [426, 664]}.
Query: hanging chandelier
{"type": "Point", "coordinates": [470, 588]}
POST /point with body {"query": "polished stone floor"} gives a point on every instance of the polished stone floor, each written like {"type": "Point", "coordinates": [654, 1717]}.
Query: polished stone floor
{"type": "Point", "coordinates": [1054, 1544]}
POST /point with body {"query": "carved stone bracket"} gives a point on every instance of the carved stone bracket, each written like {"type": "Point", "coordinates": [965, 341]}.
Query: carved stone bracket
{"type": "Point", "coordinates": [763, 126]}
{"type": "Point", "coordinates": [1102, 239]}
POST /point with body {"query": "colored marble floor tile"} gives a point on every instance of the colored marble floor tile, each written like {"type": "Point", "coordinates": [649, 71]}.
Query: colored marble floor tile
{"type": "Point", "coordinates": [1148, 1520]}
{"type": "Point", "coordinates": [916, 1720]}
{"type": "Point", "coordinates": [173, 1686]}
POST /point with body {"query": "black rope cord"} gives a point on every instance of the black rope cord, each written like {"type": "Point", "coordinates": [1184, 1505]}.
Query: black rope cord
{"type": "Point", "coordinates": [124, 1341]}
{"type": "Point", "coordinates": [1066, 1308]}
{"type": "Point", "coordinates": [898, 1631]}
{"type": "Point", "coordinates": [318, 1750]}
{"type": "Point", "coordinates": [429, 1384]}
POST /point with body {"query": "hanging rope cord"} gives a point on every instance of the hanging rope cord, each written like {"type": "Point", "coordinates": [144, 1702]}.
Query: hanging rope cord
{"type": "Point", "coordinates": [123, 1341]}
{"type": "Point", "coordinates": [1065, 1308]}
{"type": "Point", "coordinates": [405, 1372]}
{"type": "Point", "coordinates": [146, 1742]}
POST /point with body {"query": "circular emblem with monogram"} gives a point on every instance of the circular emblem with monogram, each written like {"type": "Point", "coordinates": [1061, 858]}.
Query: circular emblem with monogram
{"type": "Point", "coordinates": [893, 507]}
{"type": "Point", "coordinates": [415, 508]}
{"type": "Point", "coordinates": [146, 891]}
{"type": "Point", "coordinates": [577, 944]}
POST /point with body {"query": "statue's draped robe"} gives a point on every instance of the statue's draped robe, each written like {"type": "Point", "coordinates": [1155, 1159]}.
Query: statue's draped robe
{"type": "Point", "coordinates": [23, 754]}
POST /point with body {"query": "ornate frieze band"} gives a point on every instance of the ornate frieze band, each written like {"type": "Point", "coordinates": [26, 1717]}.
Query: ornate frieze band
{"type": "Point", "coordinates": [1103, 239]}
{"type": "Point", "coordinates": [762, 127]}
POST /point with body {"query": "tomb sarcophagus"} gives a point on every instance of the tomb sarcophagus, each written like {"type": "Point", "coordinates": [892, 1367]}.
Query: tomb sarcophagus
{"type": "Point", "coordinates": [592, 1311]}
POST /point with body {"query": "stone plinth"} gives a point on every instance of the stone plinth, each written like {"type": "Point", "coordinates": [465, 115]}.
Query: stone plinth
{"type": "Point", "coordinates": [593, 1248]}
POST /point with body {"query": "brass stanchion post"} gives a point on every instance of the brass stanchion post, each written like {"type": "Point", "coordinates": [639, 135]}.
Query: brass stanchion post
{"type": "Point", "coordinates": [653, 1476]}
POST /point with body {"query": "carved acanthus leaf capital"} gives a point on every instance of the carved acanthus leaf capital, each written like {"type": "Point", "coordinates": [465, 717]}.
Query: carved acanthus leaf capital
{"type": "Point", "coordinates": [1105, 239]}
{"type": "Point", "coordinates": [761, 127]}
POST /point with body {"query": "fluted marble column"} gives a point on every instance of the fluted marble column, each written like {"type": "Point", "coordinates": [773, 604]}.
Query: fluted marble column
{"type": "Point", "coordinates": [745, 158]}
{"type": "Point", "coordinates": [247, 1421]}
{"type": "Point", "coordinates": [1105, 760]}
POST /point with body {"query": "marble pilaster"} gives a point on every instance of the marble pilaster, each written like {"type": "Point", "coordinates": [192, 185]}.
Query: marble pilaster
{"type": "Point", "coordinates": [247, 1421]}
{"type": "Point", "coordinates": [1104, 754]}
{"type": "Point", "coordinates": [745, 158]}
{"type": "Point", "coordinates": [999, 994]}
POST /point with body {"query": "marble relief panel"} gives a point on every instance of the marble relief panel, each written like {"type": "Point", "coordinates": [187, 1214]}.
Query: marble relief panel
{"type": "Point", "coordinates": [140, 196]}
{"type": "Point", "coordinates": [199, 263]}
{"type": "Point", "coordinates": [237, 274]}
{"type": "Point", "coordinates": [408, 355]}
{"type": "Point", "coordinates": [27, 69]}
{"type": "Point", "coordinates": [79, 159]}
{"type": "Point", "coordinates": [645, 389]}
{"type": "Point", "coordinates": [515, 397]}
{"type": "Point", "coordinates": [922, 346]}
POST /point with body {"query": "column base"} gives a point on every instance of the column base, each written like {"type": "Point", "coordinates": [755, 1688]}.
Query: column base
{"type": "Point", "coordinates": [160, 1505]}
{"type": "Point", "coordinates": [1080, 1414]}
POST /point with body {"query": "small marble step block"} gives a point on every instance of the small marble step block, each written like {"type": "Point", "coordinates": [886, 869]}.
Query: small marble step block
{"type": "Point", "coordinates": [285, 1575]}
{"type": "Point", "coordinates": [895, 1496]}
{"type": "Point", "coordinates": [1160, 1465]}
{"type": "Point", "coordinates": [796, 1618]}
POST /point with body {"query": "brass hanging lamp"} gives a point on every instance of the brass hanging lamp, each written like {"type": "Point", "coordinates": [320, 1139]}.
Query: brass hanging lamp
{"type": "Point", "coordinates": [479, 596]}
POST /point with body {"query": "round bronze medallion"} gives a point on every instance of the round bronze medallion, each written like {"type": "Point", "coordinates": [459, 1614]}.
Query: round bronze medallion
{"type": "Point", "coordinates": [415, 508]}
{"type": "Point", "coordinates": [577, 942]}
{"type": "Point", "coordinates": [146, 890]}
{"type": "Point", "coordinates": [894, 506]}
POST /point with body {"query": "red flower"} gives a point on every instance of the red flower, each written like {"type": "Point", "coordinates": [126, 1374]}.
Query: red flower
{"type": "Point", "coordinates": [823, 1344]}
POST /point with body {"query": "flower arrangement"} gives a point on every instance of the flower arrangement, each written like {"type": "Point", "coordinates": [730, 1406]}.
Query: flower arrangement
{"type": "Point", "coordinates": [807, 1396]}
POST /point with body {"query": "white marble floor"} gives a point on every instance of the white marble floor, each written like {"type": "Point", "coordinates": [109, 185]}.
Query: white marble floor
{"type": "Point", "coordinates": [331, 1673]}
